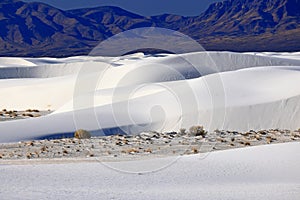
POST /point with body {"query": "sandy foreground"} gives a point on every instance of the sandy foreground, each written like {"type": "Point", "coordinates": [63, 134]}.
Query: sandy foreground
{"type": "Point", "coordinates": [260, 172]}
{"type": "Point", "coordinates": [218, 165]}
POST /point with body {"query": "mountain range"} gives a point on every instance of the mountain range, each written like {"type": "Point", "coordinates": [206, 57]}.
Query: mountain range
{"type": "Point", "coordinates": [37, 29]}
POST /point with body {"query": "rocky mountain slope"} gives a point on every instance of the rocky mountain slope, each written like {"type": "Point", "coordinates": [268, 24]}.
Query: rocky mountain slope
{"type": "Point", "coordinates": [37, 29]}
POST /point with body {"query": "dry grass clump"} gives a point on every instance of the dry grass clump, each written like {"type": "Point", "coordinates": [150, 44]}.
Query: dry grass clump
{"type": "Point", "coordinates": [130, 151]}
{"type": "Point", "coordinates": [247, 143]}
{"type": "Point", "coordinates": [268, 139]}
{"type": "Point", "coordinates": [148, 150]}
{"type": "Point", "coordinates": [82, 134]}
{"type": "Point", "coordinates": [32, 110]}
{"type": "Point", "coordinates": [182, 131]}
{"type": "Point", "coordinates": [197, 131]}
{"type": "Point", "coordinates": [195, 150]}
{"type": "Point", "coordinates": [28, 115]}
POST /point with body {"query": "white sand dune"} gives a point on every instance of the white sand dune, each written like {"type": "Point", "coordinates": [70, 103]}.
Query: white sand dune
{"type": "Point", "coordinates": [137, 92]}
{"type": "Point", "coordinates": [189, 65]}
{"type": "Point", "coordinates": [14, 62]}
{"type": "Point", "coordinates": [262, 172]}
{"type": "Point", "coordinates": [287, 55]}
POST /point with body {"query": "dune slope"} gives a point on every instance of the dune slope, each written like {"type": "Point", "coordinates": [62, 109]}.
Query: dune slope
{"type": "Point", "coordinates": [137, 93]}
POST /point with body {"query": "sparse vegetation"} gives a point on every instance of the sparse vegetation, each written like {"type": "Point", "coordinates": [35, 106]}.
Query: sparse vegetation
{"type": "Point", "coordinates": [130, 151]}
{"type": "Point", "coordinates": [182, 131]}
{"type": "Point", "coordinates": [168, 143]}
{"type": "Point", "coordinates": [148, 150]}
{"type": "Point", "coordinates": [195, 150]}
{"type": "Point", "coordinates": [82, 134]}
{"type": "Point", "coordinates": [197, 131]}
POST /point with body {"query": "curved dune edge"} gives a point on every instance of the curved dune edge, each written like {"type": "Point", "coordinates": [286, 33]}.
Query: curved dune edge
{"type": "Point", "coordinates": [248, 89]}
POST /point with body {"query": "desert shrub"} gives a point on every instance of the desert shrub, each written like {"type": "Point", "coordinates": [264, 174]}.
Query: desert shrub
{"type": "Point", "coordinates": [82, 134]}
{"type": "Point", "coordinates": [182, 131]}
{"type": "Point", "coordinates": [195, 150]}
{"type": "Point", "coordinates": [197, 131]}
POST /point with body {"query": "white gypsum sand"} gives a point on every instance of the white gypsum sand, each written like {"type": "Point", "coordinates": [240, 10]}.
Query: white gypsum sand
{"type": "Point", "coordinates": [263, 172]}
{"type": "Point", "coordinates": [223, 90]}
